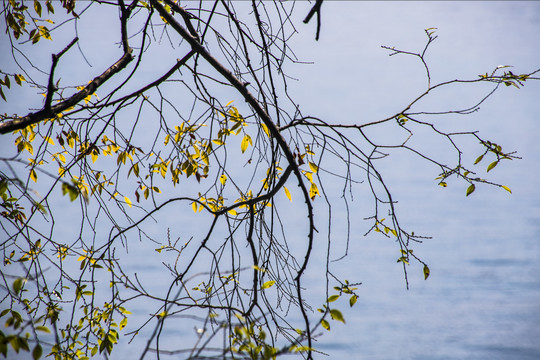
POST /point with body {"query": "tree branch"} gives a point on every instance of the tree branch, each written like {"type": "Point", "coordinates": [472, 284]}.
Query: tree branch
{"type": "Point", "coordinates": [315, 9]}
{"type": "Point", "coordinates": [43, 114]}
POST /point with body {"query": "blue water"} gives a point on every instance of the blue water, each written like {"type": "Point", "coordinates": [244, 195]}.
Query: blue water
{"type": "Point", "coordinates": [482, 299]}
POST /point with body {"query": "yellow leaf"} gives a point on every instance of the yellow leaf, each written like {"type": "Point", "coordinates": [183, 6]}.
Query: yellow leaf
{"type": "Point", "coordinates": [232, 212]}
{"type": "Point", "coordinates": [333, 298]}
{"type": "Point", "coordinates": [245, 142]}
{"type": "Point", "coordinates": [127, 201]}
{"type": "Point", "coordinates": [268, 284]}
{"type": "Point", "coordinates": [49, 140]}
{"type": "Point", "coordinates": [194, 206]}
{"type": "Point", "coordinates": [265, 128]}
{"type": "Point", "coordinates": [313, 191]}
{"type": "Point", "coordinates": [162, 314]}
{"type": "Point", "coordinates": [33, 175]}
{"type": "Point", "coordinates": [325, 324]}
{"type": "Point", "coordinates": [506, 188]}
{"type": "Point", "coordinates": [426, 272]}
{"type": "Point", "coordinates": [287, 193]}
{"type": "Point", "coordinates": [94, 155]}
{"type": "Point", "coordinates": [313, 167]}
{"type": "Point", "coordinates": [470, 189]}
{"type": "Point", "coordinates": [337, 315]}
{"type": "Point", "coordinates": [223, 179]}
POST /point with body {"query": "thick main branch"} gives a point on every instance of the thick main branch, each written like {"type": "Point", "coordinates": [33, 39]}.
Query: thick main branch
{"type": "Point", "coordinates": [49, 112]}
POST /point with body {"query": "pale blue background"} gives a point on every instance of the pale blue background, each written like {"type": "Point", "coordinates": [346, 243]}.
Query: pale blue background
{"type": "Point", "coordinates": [482, 300]}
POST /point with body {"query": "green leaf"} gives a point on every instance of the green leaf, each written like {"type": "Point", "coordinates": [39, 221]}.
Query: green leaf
{"type": "Point", "coordinates": [325, 324]}
{"type": "Point", "coordinates": [37, 352]}
{"type": "Point", "coordinates": [333, 298]}
{"type": "Point", "coordinates": [478, 159]}
{"type": "Point", "coordinates": [71, 190]}
{"type": "Point", "coordinates": [426, 272]}
{"type": "Point", "coordinates": [18, 284]}
{"type": "Point", "coordinates": [37, 7]}
{"type": "Point", "coordinates": [470, 190]}
{"type": "Point", "coordinates": [337, 315]}
{"type": "Point", "coordinates": [353, 300]}
{"type": "Point", "coordinates": [44, 329]}
{"type": "Point", "coordinates": [403, 259]}
{"type": "Point", "coordinates": [492, 165]}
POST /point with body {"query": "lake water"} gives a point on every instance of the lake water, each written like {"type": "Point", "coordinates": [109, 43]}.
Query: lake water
{"type": "Point", "coordinates": [482, 299]}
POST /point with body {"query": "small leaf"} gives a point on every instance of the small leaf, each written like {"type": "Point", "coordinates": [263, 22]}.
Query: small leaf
{"type": "Point", "coordinates": [72, 191]}
{"type": "Point", "coordinates": [128, 201]}
{"type": "Point", "coordinates": [426, 272]}
{"type": "Point", "coordinates": [333, 298]}
{"type": "Point", "coordinates": [162, 314]}
{"type": "Point", "coordinates": [245, 142]}
{"type": "Point", "coordinates": [403, 259]}
{"type": "Point", "coordinates": [492, 165]}
{"type": "Point", "coordinates": [337, 315]}
{"type": "Point", "coordinates": [353, 300]}
{"type": "Point", "coordinates": [268, 284]}
{"type": "Point", "coordinates": [313, 191]}
{"type": "Point", "coordinates": [37, 7]}
{"type": "Point", "coordinates": [223, 179]}
{"type": "Point", "coordinates": [44, 329]}
{"type": "Point", "coordinates": [49, 140]}
{"type": "Point", "coordinates": [287, 193]}
{"type": "Point", "coordinates": [313, 167]}
{"type": "Point", "coordinates": [470, 190]}
{"type": "Point", "coordinates": [37, 352]}
{"type": "Point", "coordinates": [265, 128]}
{"type": "Point", "coordinates": [478, 159]}
{"type": "Point", "coordinates": [33, 175]}
{"type": "Point", "coordinates": [506, 188]}
{"type": "Point", "coordinates": [325, 324]}
{"type": "Point", "coordinates": [18, 284]}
